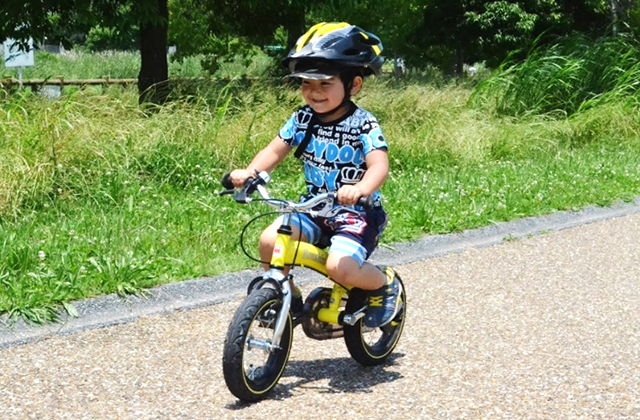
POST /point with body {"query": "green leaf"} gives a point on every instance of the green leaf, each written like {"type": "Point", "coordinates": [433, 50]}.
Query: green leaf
{"type": "Point", "coordinates": [71, 310]}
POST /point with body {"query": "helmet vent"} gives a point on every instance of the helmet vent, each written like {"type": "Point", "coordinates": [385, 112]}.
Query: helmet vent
{"type": "Point", "coordinates": [329, 42]}
{"type": "Point", "coordinates": [351, 51]}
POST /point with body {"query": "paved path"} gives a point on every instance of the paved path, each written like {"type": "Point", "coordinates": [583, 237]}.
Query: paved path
{"type": "Point", "coordinates": [545, 327]}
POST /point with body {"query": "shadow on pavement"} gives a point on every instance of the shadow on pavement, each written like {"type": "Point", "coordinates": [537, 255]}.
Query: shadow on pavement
{"type": "Point", "coordinates": [344, 375]}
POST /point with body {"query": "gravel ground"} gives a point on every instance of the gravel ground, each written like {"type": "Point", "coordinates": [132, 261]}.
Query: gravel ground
{"type": "Point", "coordinates": [546, 327]}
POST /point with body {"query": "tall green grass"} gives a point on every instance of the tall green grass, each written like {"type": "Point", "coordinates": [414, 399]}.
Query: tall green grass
{"type": "Point", "coordinates": [100, 196]}
{"type": "Point", "coordinates": [570, 76]}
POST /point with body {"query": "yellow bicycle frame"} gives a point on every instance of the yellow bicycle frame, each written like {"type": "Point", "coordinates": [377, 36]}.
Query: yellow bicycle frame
{"type": "Point", "coordinates": [308, 256]}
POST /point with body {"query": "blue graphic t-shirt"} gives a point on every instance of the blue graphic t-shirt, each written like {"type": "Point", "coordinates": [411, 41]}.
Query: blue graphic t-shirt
{"type": "Point", "coordinates": [335, 156]}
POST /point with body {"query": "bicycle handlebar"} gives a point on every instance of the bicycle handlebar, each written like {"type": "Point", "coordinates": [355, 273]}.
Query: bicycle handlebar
{"type": "Point", "coordinates": [259, 182]}
{"type": "Point", "coordinates": [226, 182]}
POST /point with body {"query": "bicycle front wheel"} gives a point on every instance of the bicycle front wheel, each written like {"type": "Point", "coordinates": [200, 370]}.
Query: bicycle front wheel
{"type": "Point", "coordinates": [251, 364]}
{"type": "Point", "coordinates": [372, 346]}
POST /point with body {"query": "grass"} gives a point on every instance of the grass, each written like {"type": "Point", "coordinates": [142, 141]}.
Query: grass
{"type": "Point", "coordinates": [570, 76]}
{"type": "Point", "coordinates": [100, 196]}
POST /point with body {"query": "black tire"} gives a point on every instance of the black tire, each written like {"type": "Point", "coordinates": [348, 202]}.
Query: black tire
{"type": "Point", "coordinates": [250, 371]}
{"type": "Point", "coordinates": [372, 346]}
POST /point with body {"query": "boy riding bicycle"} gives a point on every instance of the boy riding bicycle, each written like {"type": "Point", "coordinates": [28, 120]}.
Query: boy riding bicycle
{"type": "Point", "coordinates": [343, 150]}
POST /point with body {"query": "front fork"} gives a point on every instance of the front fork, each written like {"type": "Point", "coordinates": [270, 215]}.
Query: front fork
{"type": "Point", "coordinates": [276, 276]}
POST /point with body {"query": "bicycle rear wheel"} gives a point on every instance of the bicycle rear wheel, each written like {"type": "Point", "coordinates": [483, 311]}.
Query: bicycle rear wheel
{"type": "Point", "coordinates": [372, 346]}
{"type": "Point", "coordinates": [251, 366]}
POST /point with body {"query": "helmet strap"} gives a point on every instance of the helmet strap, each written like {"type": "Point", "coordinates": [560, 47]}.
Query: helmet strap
{"type": "Point", "coordinates": [315, 118]}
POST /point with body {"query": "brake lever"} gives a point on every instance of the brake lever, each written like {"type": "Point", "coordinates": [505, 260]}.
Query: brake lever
{"type": "Point", "coordinates": [241, 196]}
{"type": "Point", "coordinates": [251, 185]}
{"type": "Point", "coordinates": [329, 210]}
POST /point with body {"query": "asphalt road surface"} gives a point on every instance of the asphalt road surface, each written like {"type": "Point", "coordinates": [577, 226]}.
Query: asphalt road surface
{"type": "Point", "coordinates": [543, 325]}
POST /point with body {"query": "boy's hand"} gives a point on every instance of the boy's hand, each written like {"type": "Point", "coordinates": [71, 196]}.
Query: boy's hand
{"type": "Point", "coordinates": [239, 177]}
{"type": "Point", "coordinates": [348, 195]}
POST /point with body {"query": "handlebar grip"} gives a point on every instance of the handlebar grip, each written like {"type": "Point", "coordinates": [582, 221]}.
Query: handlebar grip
{"type": "Point", "coordinates": [366, 201]}
{"type": "Point", "coordinates": [226, 181]}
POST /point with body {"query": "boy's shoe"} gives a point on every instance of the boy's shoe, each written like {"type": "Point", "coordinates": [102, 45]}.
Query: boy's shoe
{"type": "Point", "coordinates": [384, 303]}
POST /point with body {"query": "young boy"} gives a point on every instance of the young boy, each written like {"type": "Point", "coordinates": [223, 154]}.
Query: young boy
{"type": "Point", "coordinates": [345, 152]}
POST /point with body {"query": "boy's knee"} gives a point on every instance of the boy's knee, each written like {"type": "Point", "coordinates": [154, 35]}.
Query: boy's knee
{"type": "Point", "coordinates": [332, 269]}
{"type": "Point", "coordinates": [341, 267]}
{"type": "Point", "coordinates": [267, 239]}
{"type": "Point", "coordinates": [269, 235]}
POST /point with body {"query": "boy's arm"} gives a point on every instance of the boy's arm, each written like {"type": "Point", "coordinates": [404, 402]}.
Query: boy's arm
{"type": "Point", "coordinates": [266, 160]}
{"type": "Point", "coordinates": [373, 178]}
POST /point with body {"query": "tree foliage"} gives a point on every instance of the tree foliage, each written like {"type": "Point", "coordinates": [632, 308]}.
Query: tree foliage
{"type": "Point", "coordinates": [39, 20]}
{"type": "Point", "coordinates": [487, 30]}
{"type": "Point", "coordinates": [226, 28]}
{"type": "Point", "coordinates": [441, 32]}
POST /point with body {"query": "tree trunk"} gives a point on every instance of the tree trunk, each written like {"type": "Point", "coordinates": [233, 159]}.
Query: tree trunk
{"type": "Point", "coordinates": [614, 16]}
{"type": "Point", "coordinates": [295, 25]}
{"type": "Point", "coordinates": [154, 70]}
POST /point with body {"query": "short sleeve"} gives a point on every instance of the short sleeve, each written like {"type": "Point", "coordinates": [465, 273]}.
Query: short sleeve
{"type": "Point", "coordinates": [293, 131]}
{"type": "Point", "coordinates": [288, 131]}
{"type": "Point", "coordinates": [372, 137]}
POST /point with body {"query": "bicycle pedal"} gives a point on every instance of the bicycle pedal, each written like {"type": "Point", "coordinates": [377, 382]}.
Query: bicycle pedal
{"type": "Point", "coordinates": [352, 319]}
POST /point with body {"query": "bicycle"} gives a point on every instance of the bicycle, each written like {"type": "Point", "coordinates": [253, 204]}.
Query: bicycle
{"type": "Point", "coordinates": [260, 334]}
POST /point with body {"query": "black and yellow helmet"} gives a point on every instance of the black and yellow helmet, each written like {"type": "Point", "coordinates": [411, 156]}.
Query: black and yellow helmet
{"type": "Point", "coordinates": [328, 47]}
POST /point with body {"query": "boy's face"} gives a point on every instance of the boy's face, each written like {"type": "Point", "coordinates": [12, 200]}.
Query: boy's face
{"type": "Point", "coordinates": [323, 95]}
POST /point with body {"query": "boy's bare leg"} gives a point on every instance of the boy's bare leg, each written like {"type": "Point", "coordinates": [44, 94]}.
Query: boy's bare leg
{"type": "Point", "coordinates": [383, 292]}
{"type": "Point", "coordinates": [346, 271]}
{"type": "Point", "coordinates": [268, 240]}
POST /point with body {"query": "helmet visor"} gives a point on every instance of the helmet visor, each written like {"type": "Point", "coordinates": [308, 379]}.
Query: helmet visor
{"type": "Point", "coordinates": [314, 70]}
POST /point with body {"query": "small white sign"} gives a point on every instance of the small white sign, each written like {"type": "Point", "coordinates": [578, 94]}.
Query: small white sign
{"type": "Point", "coordinates": [15, 57]}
